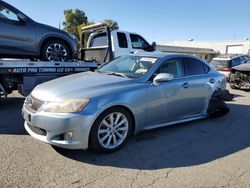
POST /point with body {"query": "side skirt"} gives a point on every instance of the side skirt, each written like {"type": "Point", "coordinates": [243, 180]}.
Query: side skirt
{"type": "Point", "coordinates": [185, 119]}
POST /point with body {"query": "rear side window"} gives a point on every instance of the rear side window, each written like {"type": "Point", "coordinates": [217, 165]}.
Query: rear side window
{"type": "Point", "coordinates": [122, 40]}
{"type": "Point", "coordinates": [99, 40]}
{"type": "Point", "coordinates": [193, 67]}
{"type": "Point", "coordinates": [206, 68]}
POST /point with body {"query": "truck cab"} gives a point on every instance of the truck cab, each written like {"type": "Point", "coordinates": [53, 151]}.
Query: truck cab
{"type": "Point", "coordinates": [104, 45]}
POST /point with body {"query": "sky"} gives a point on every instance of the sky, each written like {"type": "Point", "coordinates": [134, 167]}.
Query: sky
{"type": "Point", "coordinates": [155, 20]}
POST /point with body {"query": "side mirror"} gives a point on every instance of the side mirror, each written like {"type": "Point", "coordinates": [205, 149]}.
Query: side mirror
{"type": "Point", "coordinates": [163, 77]}
{"type": "Point", "coordinates": [153, 46]}
{"type": "Point", "coordinates": [21, 17]}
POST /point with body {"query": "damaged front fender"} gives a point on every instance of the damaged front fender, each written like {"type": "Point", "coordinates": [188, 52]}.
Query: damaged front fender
{"type": "Point", "coordinates": [223, 95]}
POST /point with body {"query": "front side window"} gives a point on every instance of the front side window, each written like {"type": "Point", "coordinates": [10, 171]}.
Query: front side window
{"type": "Point", "coordinates": [193, 67]}
{"type": "Point", "coordinates": [99, 40]}
{"type": "Point", "coordinates": [173, 66]}
{"type": "Point", "coordinates": [138, 42]}
{"type": "Point", "coordinates": [7, 14]}
{"type": "Point", "coordinates": [129, 66]}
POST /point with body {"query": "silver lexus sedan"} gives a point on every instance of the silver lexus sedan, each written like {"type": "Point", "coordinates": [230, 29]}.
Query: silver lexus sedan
{"type": "Point", "coordinates": [100, 110]}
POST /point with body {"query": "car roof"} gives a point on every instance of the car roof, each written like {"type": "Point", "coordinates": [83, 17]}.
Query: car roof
{"type": "Point", "coordinates": [227, 58]}
{"type": "Point", "coordinates": [160, 54]}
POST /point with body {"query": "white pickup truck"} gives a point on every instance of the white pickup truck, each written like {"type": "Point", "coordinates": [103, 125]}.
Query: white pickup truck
{"type": "Point", "coordinates": [103, 45]}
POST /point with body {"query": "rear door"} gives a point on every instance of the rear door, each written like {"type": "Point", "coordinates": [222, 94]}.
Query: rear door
{"type": "Point", "coordinates": [198, 85]}
{"type": "Point", "coordinates": [16, 37]}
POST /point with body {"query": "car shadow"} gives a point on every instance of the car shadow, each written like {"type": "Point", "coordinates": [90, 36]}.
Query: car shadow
{"type": "Point", "coordinates": [11, 121]}
{"type": "Point", "coordinates": [183, 145]}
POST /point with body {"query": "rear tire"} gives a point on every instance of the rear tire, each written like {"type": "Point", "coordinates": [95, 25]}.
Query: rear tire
{"type": "Point", "coordinates": [55, 51]}
{"type": "Point", "coordinates": [217, 108]}
{"type": "Point", "coordinates": [111, 130]}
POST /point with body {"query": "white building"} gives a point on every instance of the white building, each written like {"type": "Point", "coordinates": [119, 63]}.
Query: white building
{"type": "Point", "coordinates": [204, 53]}
{"type": "Point", "coordinates": [222, 47]}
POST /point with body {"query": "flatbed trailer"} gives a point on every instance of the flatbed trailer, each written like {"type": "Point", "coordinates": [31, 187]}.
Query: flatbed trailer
{"type": "Point", "coordinates": [24, 75]}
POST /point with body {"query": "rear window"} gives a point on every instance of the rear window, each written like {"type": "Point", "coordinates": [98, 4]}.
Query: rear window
{"type": "Point", "coordinates": [237, 61]}
{"type": "Point", "coordinates": [220, 63]}
{"type": "Point", "coordinates": [99, 40]}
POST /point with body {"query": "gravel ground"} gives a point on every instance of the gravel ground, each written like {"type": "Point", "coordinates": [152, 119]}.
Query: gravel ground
{"type": "Point", "coordinates": [206, 153]}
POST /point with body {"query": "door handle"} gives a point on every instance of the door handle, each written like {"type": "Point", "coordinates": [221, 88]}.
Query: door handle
{"type": "Point", "coordinates": [212, 81]}
{"type": "Point", "coordinates": [185, 85]}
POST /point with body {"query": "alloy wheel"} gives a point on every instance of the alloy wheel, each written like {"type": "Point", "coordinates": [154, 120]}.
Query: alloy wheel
{"type": "Point", "coordinates": [56, 52]}
{"type": "Point", "coordinates": [113, 130]}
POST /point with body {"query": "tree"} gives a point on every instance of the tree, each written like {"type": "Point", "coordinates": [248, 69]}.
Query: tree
{"type": "Point", "coordinates": [76, 19]}
{"type": "Point", "coordinates": [112, 24]}
{"type": "Point", "coordinates": [73, 20]}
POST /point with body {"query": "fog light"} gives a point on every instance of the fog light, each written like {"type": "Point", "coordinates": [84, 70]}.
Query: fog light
{"type": "Point", "coordinates": [68, 136]}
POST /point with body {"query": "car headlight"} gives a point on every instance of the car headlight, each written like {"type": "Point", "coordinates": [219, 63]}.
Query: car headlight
{"type": "Point", "coordinates": [67, 106]}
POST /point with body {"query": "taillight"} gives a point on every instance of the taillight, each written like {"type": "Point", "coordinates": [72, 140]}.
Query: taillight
{"type": "Point", "coordinates": [225, 69]}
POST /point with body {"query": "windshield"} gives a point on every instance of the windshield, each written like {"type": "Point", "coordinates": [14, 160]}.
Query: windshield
{"type": "Point", "coordinates": [220, 63]}
{"type": "Point", "coordinates": [129, 66]}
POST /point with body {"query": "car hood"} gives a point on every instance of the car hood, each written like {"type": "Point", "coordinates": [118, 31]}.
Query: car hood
{"type": "Point", "coordinates": [80, 86]}
{"type": "Point", "coordinates": [242, 67]}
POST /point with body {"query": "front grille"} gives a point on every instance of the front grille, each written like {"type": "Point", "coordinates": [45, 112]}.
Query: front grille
{"type": "Point", "coordinates": [32, 103]}
{"type": "Point", "coordinates": [37, 130]}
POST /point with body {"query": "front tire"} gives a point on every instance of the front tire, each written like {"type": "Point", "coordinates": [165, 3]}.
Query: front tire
{"type": "Point", "coordinates": [55, 51]}
{"type": "Point", "coordinates": [111, 130]}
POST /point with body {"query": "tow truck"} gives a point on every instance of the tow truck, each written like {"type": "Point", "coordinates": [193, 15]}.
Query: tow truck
{"type": "Point", "coordinates": [103, 45]}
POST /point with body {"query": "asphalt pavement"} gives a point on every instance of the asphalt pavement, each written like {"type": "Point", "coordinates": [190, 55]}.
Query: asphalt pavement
{"type": "Point", "coordinates": [204, 153]}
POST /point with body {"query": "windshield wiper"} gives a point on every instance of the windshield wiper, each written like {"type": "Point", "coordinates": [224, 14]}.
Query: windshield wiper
{"type": "Point", "coordinates": [118, 74]}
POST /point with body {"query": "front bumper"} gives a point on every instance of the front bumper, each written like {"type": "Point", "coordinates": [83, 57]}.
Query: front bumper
{"type": "Point", "coordinates": [67, 130]}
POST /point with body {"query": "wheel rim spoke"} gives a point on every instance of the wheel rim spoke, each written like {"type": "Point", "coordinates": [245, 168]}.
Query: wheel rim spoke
{"type": "Point", "coordinates": [121, 123]}
{"type": "Point", "coordinates": [104, 138]}
{"type": "Point", "coordinates": [122, 129]}
{"type": "Point", "coordinates": [111, 119]}
{"type": "Point", "coordinates": [119, 135]}
{"type": "Point", "coordinates": [118, 118]}
{"type": "Point", "coordinates": [114, 139]}
{"type": "Point", "coordinates": [109, 140]}
{"type": "Point", "coordinates": [102, 131]}
{"type": "Point", "coordinates": [105, 123]}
